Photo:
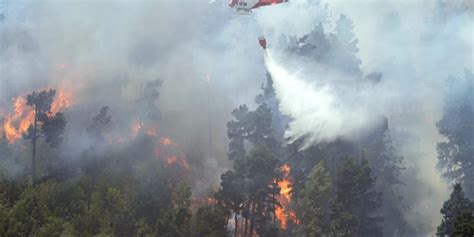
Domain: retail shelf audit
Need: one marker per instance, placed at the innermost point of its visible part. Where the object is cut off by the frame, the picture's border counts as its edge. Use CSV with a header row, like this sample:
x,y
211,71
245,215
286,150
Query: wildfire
x,y
168,151
165,149
68,80
17,123
211,201
63,99
284,213
285,184
136,128
166,141
177,160
152,132
200,201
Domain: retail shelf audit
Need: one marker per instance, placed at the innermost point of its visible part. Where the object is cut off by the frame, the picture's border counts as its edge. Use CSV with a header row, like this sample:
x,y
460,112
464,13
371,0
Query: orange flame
x,y
284,213
17,123
167,151
199,201
175,160
68,79
152,132
64,99
136,128
166,141
211,201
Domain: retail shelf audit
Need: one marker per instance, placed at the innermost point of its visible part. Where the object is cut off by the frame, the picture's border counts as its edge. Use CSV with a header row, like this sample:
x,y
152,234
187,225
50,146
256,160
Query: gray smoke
x,y
416,45
107,52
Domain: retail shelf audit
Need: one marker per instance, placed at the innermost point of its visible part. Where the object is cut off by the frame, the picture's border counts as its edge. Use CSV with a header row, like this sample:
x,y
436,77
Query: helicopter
x,y
246,6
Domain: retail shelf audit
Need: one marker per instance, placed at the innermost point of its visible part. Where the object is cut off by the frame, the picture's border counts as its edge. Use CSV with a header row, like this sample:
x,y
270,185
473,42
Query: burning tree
x,y
231,195
45,124
249,192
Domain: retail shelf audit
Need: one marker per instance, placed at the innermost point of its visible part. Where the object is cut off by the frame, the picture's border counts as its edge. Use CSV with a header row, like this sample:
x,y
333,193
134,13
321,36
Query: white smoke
x,y
416,45
132,42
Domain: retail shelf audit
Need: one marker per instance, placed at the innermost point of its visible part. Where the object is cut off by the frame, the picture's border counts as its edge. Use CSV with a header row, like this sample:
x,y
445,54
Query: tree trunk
x,y
227,217
33,165
245,227
252,218
273,216
33,142
236,224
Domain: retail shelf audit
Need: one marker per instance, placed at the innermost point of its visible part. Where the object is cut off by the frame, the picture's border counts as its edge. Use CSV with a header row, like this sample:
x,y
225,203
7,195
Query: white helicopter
x,y
246,6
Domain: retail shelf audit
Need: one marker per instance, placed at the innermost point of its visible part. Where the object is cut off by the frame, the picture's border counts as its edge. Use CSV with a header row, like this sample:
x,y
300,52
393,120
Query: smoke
x,y
108,51
416,45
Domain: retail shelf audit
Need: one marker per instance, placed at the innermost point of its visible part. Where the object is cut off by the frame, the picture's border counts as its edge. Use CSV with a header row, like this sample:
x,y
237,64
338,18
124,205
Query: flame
x,y
152,132
199,201
284,213
166,141
175,160
211,201
165,149
280,215
17,123
285,189
67,79
136,128
64,99
168,151
285,184
170,160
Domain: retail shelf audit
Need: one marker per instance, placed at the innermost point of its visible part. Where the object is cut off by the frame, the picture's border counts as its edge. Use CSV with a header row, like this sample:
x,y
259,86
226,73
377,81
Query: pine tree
x,y
268,98
455,209
149,99
211,221
314,45
47,125
314,203
176,218
464,224
249,191
344,47
252,126
232,195
99,125
457,125
97,133
357,203
386,166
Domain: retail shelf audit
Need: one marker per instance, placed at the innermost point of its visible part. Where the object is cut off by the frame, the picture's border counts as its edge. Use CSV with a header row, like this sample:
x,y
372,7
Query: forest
x,y
111,128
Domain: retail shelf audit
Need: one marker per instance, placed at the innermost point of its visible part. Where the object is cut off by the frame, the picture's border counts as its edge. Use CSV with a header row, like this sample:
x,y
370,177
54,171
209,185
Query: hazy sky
x,y
111,49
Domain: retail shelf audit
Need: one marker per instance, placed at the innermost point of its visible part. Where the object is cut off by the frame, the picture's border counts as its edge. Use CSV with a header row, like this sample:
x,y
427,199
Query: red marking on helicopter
x,y
247,5
263,42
